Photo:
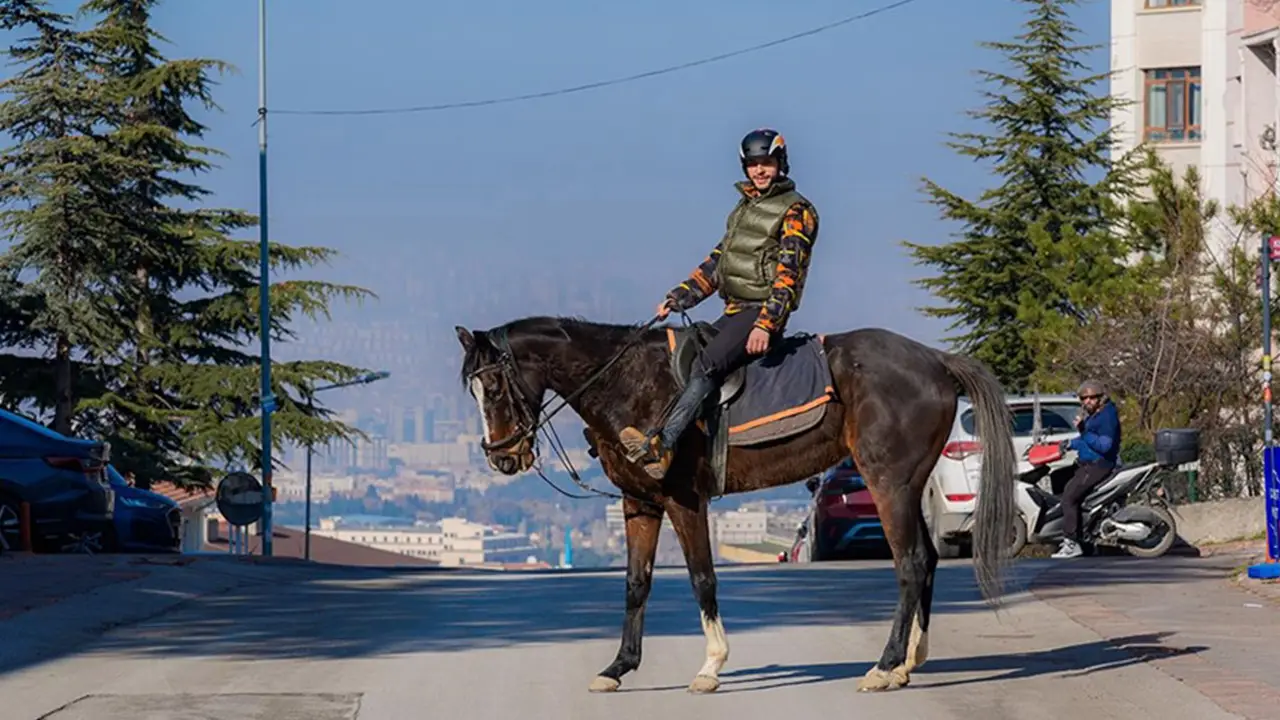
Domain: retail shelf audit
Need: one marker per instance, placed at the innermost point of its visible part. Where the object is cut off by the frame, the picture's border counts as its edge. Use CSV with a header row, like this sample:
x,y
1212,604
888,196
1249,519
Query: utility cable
x,y
603,83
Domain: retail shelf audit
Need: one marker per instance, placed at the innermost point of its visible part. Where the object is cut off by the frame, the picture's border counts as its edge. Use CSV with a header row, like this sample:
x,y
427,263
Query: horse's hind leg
x,y
643,525
914,562
688,512
918,643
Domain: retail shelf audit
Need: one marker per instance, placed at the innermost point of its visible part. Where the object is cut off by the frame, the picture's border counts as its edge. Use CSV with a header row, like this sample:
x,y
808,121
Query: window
x,y
1161,4
1055,419
1172,105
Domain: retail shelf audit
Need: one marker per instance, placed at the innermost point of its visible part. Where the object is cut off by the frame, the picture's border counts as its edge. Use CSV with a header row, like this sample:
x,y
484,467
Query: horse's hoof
x,y
877,680
704,684
604,684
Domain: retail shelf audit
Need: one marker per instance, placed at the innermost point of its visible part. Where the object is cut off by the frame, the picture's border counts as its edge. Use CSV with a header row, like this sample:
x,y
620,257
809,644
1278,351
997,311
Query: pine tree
x,y
1043,144
55,183
187,400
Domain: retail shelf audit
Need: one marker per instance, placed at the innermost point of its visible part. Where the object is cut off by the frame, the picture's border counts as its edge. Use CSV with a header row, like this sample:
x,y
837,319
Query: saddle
x,y
685,344
773,397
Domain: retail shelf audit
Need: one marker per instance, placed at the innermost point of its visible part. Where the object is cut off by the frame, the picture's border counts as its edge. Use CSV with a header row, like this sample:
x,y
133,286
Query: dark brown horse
x,y
894,407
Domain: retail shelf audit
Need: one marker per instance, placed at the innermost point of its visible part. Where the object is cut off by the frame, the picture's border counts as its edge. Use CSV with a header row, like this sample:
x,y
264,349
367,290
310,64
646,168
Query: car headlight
x,y
142,503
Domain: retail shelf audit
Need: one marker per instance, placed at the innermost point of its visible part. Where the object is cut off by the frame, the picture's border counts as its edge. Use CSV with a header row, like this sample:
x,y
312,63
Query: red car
x,y
843,520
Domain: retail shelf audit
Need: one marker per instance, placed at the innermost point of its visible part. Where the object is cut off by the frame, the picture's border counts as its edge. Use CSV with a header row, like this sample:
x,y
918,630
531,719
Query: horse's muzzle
x,y
513,462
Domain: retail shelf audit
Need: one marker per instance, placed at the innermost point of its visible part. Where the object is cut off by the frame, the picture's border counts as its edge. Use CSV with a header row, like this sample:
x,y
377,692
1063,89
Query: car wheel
x,y
814,545
10,525
89,541
933,511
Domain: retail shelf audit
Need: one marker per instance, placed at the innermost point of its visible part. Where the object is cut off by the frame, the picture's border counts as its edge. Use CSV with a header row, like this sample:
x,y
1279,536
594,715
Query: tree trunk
x,y
64,401
143,320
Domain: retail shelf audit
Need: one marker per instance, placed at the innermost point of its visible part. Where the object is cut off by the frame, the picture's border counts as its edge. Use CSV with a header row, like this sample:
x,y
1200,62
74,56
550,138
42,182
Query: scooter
x,y
1126,510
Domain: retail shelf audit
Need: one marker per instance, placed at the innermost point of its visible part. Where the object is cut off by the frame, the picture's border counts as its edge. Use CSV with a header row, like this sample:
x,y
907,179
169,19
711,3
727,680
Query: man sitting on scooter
x,y
1098,452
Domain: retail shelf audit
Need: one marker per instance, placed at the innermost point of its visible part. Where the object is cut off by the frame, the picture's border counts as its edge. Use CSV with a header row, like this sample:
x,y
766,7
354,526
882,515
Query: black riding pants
x,y
727,351
1086,478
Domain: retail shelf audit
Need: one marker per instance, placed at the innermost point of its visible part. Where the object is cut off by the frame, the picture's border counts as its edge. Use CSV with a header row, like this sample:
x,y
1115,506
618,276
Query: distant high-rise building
x,y
429,426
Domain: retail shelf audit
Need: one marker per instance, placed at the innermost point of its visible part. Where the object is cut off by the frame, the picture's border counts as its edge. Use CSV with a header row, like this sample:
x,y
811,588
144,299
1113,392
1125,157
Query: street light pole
x,y
264,286
361,380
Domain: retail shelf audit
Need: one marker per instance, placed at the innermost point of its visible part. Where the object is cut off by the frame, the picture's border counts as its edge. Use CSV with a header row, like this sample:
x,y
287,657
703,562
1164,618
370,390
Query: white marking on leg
x,y
917,646
717,648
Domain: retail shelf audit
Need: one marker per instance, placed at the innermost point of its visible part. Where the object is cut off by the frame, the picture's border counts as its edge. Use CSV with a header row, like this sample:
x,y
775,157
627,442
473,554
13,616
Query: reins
x,y
515,386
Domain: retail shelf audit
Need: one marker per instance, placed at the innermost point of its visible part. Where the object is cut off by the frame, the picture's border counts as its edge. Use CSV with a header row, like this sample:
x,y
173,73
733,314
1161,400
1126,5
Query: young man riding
x,y
759,268
1098,449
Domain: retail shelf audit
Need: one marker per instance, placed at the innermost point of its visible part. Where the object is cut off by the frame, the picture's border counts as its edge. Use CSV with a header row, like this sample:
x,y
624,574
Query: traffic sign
x,y
239,499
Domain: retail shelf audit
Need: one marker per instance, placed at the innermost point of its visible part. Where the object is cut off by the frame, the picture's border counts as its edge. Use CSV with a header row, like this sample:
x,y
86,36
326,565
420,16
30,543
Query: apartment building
x,y
1201,75
452,542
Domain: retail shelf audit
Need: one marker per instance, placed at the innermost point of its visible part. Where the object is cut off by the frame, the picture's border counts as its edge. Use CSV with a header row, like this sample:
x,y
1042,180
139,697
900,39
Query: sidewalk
x,y
52,604
33,581
1220,638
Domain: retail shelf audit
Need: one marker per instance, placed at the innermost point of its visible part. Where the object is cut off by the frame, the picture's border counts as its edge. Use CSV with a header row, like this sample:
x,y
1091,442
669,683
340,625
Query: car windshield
x,y
1055,419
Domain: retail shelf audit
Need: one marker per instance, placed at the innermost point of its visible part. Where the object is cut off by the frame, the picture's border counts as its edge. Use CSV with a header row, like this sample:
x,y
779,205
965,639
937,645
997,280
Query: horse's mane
x,y
571,327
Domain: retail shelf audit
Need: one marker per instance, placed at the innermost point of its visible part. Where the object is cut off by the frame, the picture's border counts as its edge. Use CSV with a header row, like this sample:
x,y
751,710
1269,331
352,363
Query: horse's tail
x,y
997,507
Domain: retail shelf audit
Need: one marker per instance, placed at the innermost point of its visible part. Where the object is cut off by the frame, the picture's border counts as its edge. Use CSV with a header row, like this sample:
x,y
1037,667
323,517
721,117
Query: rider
x,y
759,268
1098,450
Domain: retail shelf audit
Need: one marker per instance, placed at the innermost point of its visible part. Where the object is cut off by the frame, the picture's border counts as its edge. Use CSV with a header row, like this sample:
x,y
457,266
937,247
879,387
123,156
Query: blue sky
x,y
633,181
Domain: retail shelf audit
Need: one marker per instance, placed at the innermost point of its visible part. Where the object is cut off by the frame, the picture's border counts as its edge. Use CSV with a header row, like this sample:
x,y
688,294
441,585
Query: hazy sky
x,y
634,179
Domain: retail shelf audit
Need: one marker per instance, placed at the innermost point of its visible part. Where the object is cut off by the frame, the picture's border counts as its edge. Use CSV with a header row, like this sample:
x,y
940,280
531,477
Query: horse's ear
x,y
466,338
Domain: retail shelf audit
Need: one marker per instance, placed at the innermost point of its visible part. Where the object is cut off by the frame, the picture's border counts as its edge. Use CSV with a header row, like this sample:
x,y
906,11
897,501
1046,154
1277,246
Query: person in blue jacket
x,y
1098,451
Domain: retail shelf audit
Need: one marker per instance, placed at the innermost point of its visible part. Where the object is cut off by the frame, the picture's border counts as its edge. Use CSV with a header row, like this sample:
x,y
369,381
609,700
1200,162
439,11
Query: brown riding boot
x,y
656,451
646,450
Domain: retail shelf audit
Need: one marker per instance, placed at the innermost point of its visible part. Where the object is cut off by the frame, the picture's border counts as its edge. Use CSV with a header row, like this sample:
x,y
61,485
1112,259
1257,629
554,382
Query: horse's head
x,y
508,395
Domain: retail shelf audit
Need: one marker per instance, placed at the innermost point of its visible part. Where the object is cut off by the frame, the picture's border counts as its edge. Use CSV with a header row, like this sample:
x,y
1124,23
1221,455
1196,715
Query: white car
x,y
950,497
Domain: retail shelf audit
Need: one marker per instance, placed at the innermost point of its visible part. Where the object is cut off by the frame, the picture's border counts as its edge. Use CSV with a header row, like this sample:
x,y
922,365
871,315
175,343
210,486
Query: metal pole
x,y
311,411
306,532
1265,258
264,281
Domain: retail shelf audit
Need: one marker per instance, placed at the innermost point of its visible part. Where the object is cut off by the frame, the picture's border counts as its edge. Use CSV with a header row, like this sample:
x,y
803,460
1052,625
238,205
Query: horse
x,y
893,407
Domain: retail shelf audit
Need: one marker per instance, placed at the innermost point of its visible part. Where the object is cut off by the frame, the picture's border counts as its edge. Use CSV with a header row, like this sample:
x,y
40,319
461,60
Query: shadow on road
x,y
1079,576
388,613
1071,660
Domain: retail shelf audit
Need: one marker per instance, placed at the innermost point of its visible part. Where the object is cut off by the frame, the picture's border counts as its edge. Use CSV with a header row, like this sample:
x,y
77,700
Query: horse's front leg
x,y
643,524
688,512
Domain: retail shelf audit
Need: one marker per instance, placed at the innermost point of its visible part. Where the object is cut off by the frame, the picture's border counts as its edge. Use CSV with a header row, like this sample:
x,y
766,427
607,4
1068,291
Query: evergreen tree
x,y
1043,145
190,390
56,181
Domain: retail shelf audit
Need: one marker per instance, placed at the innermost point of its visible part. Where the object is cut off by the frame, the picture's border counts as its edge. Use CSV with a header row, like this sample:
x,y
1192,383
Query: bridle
x,y
518,394
530,421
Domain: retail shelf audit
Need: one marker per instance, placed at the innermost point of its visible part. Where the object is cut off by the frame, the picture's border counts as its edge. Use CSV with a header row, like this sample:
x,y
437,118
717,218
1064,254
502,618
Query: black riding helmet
x,y
764,143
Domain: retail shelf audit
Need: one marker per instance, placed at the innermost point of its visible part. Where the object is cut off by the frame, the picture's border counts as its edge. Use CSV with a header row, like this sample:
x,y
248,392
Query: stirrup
x,y
645,453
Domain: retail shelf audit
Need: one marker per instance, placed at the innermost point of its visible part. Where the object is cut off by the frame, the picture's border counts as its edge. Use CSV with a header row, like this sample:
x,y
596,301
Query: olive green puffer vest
x,y
749,251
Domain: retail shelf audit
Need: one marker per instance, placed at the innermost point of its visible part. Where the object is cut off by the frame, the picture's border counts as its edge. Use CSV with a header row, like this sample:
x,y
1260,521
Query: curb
x,y
1250,699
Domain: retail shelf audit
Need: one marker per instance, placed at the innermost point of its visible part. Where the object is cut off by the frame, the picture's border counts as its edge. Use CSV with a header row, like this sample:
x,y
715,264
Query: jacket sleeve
x,y
799,231
1102,436
700,284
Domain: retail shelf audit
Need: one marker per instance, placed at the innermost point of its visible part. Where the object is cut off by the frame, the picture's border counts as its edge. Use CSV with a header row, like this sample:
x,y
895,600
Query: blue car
x,y
145,521
61,481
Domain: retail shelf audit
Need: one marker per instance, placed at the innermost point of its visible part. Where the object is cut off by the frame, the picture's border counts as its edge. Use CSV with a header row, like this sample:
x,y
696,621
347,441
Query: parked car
x,y
62,481
842,521
145,521
950,497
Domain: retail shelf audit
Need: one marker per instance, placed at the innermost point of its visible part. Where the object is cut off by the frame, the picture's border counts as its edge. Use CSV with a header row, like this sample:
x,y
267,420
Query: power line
x,y
603,83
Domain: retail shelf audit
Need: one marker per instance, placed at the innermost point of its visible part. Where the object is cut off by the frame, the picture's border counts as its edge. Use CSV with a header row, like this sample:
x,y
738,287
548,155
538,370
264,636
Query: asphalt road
x,y
440,645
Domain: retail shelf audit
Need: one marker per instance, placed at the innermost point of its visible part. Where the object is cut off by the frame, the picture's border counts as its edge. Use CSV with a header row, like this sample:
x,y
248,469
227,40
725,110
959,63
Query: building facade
x,y
453,542
1201,84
